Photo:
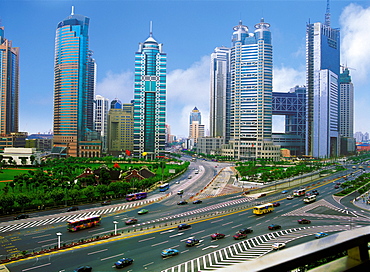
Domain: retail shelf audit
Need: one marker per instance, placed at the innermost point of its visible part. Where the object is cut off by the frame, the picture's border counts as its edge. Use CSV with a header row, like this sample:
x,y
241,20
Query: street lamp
x,y
115,227
59,234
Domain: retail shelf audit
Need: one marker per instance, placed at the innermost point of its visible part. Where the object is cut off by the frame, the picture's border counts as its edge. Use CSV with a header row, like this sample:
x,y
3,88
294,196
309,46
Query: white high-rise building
x,y
100,118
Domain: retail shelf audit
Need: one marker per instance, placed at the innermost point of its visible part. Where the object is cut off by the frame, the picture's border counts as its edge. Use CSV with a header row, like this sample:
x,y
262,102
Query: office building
x,y
100,119
196,129
195,115
220,93
322,63
74,84
251,94
150,99
9,86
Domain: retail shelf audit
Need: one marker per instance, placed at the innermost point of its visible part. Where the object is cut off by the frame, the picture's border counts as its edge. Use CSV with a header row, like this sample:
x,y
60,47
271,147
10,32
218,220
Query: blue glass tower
x,y
150,99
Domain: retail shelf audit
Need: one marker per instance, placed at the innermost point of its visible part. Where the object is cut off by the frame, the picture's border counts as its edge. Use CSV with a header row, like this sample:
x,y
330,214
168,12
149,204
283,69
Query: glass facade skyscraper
x,y
150,99
323,64
74,85
9,86
195,115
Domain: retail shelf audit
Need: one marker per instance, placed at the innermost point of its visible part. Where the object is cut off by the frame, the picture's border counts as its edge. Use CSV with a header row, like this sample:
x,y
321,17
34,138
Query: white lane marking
x,y
111,257
150,238
160,243
227,223
90,253
41,236
209,247
167,231
181,233
36,267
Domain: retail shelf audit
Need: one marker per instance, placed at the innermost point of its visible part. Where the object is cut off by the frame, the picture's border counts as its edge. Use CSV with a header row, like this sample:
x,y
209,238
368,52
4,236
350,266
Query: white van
x,y
310,199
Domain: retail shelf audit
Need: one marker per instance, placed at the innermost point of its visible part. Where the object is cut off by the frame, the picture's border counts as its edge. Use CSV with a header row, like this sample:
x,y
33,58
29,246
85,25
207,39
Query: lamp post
x,y
59,234
115,227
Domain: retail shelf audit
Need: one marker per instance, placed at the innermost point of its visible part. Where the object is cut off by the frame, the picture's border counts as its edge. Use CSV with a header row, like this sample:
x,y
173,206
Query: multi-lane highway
x,y
158,230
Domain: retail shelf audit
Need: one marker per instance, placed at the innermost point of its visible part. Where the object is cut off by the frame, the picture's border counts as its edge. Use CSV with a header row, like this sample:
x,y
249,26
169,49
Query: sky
x,y
189,32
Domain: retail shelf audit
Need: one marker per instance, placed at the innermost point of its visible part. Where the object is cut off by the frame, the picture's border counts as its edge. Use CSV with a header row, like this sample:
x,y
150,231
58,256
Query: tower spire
x,y
151,29
327,14
73,10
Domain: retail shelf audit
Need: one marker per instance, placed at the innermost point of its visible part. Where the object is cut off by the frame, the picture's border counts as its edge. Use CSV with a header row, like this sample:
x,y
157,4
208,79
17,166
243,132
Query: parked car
x,y
245,231
169,252
274,227
276,204
191,242
72,209
289,197
216,236
183,226
320,235
131,221
183,202
142,211
84,268
106,202
278,246
198,201
123,262
21,216
304,221
239,236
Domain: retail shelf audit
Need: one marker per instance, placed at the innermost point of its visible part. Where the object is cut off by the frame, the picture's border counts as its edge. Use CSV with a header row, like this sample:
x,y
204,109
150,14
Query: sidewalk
x,y
363,201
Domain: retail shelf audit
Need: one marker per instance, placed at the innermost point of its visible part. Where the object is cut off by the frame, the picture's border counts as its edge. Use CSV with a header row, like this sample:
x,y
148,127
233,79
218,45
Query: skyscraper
x,y
220,93
251,93
74,83
150,99
100,118
322,63
196,129
195,115
9,86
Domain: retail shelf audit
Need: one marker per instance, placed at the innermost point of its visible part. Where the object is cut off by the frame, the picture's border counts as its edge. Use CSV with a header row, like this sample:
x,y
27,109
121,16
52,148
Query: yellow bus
x,y
263,208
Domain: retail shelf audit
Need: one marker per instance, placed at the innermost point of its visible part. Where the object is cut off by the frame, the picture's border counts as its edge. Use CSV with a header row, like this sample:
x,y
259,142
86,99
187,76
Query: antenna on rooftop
x,y
73,10
327,14
151,29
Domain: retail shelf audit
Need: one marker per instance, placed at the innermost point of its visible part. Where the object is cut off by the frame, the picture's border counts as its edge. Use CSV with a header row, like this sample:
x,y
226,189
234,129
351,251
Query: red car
x,y
217,236
239,236
276,204
304,221
131,221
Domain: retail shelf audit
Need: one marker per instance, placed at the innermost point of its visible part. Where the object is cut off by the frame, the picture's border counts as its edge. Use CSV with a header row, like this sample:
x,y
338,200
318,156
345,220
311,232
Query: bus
x,y
309,199
83,223
263,208
164,187
136,196
300,192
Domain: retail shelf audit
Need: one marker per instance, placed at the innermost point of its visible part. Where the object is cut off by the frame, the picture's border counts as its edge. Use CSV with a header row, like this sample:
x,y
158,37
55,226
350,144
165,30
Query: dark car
x,y
315,192
191,242
245,231
336,186
183,226
198,201
72,209
21,216
183,202
106,202
84,268
276,204
304,221
274,227
123,262
131,221
216,236
239,236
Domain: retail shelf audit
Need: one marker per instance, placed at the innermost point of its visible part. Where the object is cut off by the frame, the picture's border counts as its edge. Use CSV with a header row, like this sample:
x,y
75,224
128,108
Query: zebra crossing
x,y
250,249
51,219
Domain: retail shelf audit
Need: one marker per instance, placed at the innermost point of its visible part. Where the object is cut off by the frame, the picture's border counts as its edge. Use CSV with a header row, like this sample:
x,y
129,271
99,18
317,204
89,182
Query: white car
x,y
289,197
278,246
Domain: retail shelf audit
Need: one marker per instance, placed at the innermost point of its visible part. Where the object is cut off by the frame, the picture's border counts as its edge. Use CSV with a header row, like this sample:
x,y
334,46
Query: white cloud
x,y
119,86
355,49
285,78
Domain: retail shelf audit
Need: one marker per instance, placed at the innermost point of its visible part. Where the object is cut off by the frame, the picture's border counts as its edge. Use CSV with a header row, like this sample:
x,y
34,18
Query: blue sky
x,y
189,31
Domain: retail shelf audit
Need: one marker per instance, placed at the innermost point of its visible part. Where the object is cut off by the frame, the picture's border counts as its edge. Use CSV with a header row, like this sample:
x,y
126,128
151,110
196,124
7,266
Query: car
x,y
289,197
304,221
21,216
276,204
177,182
189,177
84,268
315,192
239,236
106,202
245,231
169,252
191,242
284,192
336,186
274,227
320,235
261,195
338,183
216,236
198,201
123,262
142,211
180,192
183,202
131,221
72,209
183,226
278,246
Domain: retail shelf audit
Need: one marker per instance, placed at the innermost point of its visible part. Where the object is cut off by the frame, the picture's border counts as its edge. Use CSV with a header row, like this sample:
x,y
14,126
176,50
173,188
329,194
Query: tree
x,y
32,159
89,192
74,194
116,187
6,202
102,190
104,176
57,195
22,200
23,160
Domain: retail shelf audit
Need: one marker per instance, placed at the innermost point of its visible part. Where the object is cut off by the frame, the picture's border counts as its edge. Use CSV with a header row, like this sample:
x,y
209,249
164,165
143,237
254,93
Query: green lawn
x,y
8,174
